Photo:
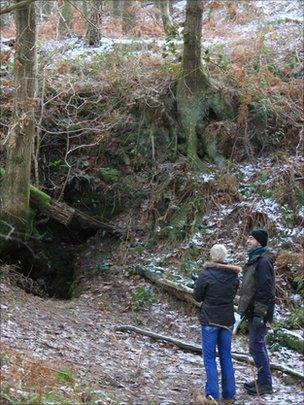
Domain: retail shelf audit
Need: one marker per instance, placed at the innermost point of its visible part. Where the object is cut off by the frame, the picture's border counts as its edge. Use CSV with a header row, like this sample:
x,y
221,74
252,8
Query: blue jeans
x,y
257,349
212,337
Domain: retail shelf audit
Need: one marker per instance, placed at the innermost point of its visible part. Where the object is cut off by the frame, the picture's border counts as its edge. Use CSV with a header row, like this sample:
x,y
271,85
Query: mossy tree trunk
x,y
166,16
128,17
93,34
65,18
19,144
62,212
193,84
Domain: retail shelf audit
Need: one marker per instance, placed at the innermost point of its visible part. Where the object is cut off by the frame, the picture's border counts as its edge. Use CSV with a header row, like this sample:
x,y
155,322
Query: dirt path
x,y
128,368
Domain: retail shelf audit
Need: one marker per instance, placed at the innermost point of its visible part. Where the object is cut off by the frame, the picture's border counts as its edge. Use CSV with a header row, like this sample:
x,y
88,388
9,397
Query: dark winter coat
x,y
216,288
257,294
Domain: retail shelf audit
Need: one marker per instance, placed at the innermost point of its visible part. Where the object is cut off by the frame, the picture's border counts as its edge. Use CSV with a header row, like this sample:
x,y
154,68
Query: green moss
x,y
108,174
41,200
286,339
219,106
65,376
294,321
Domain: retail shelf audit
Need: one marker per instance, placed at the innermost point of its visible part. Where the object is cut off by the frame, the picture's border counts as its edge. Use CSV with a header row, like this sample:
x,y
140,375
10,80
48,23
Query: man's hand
x,y
257,322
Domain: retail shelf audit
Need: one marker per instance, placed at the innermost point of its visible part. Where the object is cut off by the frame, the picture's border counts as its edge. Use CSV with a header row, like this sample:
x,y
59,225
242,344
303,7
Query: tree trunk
x,y
65,18
193,82
93,35
128,17
19,144
166,17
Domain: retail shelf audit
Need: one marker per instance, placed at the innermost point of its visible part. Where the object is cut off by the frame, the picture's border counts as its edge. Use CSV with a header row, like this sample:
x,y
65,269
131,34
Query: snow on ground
x,y
132,368
274,9
282,17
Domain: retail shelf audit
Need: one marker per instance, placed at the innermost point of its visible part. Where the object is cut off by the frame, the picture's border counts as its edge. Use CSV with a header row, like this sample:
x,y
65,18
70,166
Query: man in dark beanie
x,y
257,299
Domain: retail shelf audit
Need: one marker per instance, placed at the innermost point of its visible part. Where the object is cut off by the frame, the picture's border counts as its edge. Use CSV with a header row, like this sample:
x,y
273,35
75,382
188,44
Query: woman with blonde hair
x,y
216,288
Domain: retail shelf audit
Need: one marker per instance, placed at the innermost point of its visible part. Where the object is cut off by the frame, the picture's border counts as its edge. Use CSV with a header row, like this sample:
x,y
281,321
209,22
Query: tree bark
x,y
242,357
93,35
128,17
19,144
193,82
166,17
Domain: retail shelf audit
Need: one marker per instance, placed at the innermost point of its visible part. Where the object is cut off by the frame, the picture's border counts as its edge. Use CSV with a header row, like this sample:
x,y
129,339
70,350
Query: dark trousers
x,y
258,351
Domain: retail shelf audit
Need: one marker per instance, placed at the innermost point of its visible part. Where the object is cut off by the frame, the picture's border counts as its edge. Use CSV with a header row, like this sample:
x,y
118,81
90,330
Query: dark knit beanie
x,y
261,236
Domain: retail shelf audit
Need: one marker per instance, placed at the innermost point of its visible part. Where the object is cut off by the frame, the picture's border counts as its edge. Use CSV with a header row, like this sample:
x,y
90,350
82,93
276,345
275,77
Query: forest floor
x,y
67,352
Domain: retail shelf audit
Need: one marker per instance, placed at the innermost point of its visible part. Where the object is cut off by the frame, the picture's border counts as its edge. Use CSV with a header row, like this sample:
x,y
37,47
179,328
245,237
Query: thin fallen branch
x,y
157,336
242,357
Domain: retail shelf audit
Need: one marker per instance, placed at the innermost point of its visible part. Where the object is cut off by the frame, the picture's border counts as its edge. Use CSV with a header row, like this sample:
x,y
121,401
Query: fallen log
x,y
179,290
283,336
63,213
242,357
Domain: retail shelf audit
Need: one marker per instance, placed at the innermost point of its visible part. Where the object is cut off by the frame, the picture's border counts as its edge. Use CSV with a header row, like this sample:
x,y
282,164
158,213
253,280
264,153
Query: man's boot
x,y
249,384
260,390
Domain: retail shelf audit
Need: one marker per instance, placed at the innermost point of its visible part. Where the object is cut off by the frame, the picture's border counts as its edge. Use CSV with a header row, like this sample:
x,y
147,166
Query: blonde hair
x,y
218,253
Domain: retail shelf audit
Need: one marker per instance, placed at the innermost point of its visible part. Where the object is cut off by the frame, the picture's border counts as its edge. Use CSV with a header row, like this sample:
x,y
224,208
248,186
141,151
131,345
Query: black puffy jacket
x,y
216,287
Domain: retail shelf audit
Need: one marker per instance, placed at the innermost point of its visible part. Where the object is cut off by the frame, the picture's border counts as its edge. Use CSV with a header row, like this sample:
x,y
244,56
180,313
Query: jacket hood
x,y
222,266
